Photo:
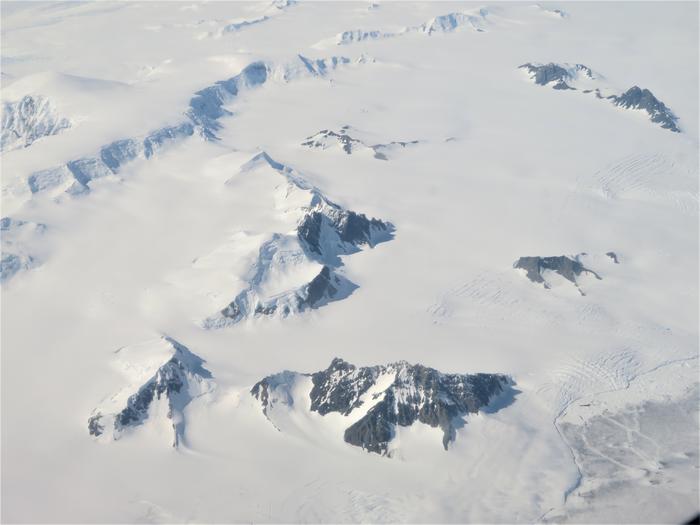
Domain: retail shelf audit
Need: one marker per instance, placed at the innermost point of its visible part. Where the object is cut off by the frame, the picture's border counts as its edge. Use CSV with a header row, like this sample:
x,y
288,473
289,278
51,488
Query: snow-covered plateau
x,y
343,262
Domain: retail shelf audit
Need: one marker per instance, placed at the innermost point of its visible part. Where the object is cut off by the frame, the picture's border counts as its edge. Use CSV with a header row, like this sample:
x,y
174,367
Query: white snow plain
x,y
504,168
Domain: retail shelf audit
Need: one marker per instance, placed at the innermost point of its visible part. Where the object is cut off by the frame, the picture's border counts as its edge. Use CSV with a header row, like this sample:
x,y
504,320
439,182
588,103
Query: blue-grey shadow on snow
x,y
503,400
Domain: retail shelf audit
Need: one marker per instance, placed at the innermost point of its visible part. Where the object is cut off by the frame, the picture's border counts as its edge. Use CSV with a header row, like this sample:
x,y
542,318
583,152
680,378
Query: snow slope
x,y
191,189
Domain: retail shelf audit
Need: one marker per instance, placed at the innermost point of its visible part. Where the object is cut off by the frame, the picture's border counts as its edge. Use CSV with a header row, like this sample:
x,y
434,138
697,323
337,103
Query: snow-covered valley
x,y
349,262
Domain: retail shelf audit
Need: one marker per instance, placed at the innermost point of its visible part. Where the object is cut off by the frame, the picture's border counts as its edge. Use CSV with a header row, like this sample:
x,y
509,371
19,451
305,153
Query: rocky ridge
x,y
324,231
580,77
397,394
176,382
326,139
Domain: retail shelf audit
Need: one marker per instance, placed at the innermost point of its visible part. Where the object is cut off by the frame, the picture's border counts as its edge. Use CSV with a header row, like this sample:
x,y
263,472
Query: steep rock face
x,y
324,231
274,390
325,139
28,120
613,256
559,75
400,394
638,98
177,382
568,267
578,76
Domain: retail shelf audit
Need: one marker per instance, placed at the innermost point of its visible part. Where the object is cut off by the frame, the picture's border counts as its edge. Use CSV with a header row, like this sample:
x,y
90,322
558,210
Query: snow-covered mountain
x,y
178,380
324,231
579,76
27,120
347,139
398,394
489,211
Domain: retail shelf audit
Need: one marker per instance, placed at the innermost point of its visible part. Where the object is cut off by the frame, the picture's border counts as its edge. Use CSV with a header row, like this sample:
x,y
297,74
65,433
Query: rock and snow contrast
x,y
579,76
174,376
346,138
377,399
567,267
504,257
297,271
28,120
643,99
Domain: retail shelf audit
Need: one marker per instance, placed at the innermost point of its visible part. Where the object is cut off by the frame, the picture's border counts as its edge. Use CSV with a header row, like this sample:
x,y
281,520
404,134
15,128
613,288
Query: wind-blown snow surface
x,y
154,244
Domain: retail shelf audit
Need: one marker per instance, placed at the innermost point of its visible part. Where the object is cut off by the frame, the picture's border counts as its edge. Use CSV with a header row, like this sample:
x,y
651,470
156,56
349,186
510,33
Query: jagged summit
x,y
306,261
384,397
180,378
580,77
638,98
560,76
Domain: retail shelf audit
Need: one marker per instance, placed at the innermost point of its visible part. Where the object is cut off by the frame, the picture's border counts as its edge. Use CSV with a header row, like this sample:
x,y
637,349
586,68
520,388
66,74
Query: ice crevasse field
x,y
349,262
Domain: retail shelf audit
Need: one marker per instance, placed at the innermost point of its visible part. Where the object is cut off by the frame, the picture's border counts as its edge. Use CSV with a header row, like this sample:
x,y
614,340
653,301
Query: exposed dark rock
x,y
412,393
349,384
324,138
346,141
423,394
613,256
178,381
637,98
279,383
320,288
326,287
324,232
565,266
94,426
543,74
345,230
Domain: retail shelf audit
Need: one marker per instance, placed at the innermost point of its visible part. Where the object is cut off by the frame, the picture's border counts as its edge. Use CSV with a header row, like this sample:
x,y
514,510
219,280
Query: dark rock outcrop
x,y
567,267
613,256
407,394
561,76
543,74
324,232
637,98
325,138
178,381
